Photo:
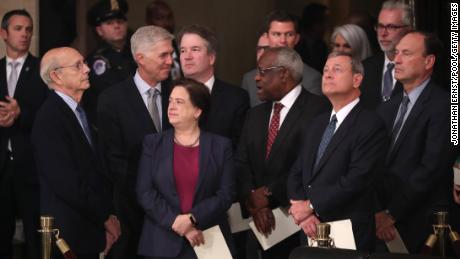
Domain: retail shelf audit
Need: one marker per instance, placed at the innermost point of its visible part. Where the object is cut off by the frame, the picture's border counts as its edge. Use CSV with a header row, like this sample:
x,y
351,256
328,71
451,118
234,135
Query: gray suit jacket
x,y
311,81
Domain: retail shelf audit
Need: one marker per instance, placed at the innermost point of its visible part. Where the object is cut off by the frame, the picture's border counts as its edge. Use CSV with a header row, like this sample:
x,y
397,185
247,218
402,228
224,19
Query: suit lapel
x,y
205,156
291,119
24,75
3,80
74,124
262,132
134,98
166,160
338,136
417,109
215,97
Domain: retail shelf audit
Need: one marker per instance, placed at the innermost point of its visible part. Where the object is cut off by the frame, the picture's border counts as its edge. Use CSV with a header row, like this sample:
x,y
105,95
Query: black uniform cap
x,y
105,10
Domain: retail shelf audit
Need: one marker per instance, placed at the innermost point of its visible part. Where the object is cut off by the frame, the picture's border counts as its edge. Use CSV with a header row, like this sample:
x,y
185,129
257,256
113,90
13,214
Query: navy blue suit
x,y
73,187
418,169
157,193
339,186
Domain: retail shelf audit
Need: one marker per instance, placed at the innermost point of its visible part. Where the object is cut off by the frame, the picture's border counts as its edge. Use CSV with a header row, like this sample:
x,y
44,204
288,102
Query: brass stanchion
x,y
322,238
441,232
47,231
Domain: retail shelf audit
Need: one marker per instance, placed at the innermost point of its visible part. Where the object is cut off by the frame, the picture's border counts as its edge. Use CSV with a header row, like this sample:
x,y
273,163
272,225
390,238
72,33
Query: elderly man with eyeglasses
x,y
73,185
379,83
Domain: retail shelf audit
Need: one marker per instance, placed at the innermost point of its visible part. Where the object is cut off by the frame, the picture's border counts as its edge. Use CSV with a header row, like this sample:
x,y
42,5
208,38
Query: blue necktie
x,y
388,82
399,119
327,136
84,121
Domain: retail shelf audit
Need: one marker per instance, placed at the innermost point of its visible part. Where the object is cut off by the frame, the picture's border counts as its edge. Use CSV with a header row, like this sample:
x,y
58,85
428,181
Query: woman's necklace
x,y
190,145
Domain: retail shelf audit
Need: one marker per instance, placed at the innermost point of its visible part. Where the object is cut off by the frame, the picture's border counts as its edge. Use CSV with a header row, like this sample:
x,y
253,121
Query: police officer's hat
x,y
105,10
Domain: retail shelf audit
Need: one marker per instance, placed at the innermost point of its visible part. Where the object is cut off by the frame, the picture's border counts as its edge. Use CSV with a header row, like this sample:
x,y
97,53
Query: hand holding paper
x,y
385,228
309,225
195,237
264,221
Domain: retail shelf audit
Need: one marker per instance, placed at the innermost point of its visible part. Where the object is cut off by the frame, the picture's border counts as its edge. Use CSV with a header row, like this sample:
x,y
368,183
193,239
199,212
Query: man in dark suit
x,y
229,103
418,167
73,185
379,83
271,139
342,150
282,30
127,112
21,94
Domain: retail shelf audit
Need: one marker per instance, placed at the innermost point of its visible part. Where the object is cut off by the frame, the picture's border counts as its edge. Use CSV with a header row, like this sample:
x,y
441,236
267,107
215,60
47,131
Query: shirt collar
x,y
68,100
210,83
142,86
417,91
343,113
20,60
289,99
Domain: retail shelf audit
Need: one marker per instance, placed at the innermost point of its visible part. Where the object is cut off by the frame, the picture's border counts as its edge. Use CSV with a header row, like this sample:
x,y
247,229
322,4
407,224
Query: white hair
x,y
147,36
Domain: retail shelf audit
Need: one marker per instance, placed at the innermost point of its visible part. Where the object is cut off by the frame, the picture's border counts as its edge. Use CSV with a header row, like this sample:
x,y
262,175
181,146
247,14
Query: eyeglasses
x,y
80,65
264,71
389,27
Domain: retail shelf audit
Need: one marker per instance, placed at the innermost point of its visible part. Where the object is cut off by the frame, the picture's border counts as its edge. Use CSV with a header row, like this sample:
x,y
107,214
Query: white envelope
x,y
342,233
214,245
284,228
397,245
457,176
235,220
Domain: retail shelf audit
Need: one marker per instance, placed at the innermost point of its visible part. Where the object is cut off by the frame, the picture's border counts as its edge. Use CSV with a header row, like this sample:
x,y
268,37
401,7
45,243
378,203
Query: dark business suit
x,y
339,186
123,123
73,186
157,194
253,171
418,169
311,81
229,105
18,177
371,87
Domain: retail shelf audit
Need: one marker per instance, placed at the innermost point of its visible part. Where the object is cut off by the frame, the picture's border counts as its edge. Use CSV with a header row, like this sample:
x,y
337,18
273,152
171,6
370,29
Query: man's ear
x,y
357,79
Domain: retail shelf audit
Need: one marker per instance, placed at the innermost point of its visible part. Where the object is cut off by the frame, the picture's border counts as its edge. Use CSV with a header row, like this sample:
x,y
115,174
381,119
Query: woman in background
x,y
352,39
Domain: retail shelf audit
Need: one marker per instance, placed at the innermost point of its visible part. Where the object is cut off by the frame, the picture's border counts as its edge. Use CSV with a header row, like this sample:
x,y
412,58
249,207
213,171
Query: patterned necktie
x,y
399,119
13,78
153,94
388,82
327,136
84,122
274,127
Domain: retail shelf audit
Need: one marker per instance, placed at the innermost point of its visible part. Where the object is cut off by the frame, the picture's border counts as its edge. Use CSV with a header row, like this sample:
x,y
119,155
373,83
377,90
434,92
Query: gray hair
x,y
289,59
356,65
46,67
356,38
146,37
407,12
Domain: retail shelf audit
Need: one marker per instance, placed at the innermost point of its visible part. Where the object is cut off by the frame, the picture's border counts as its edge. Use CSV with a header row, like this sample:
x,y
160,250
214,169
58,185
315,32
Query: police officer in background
x,y
112,61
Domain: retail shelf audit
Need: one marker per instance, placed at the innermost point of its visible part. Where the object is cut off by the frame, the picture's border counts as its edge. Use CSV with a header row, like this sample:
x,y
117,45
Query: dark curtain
x,y
434,16
57,23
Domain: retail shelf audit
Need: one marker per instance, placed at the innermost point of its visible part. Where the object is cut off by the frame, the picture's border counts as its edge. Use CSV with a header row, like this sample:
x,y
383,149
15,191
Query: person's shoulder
x,y
118,90
309,71
217,139
374,59
250,74
230,88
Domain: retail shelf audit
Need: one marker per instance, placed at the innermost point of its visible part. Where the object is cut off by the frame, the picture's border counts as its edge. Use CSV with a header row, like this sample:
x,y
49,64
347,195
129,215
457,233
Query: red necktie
x,y
274,127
